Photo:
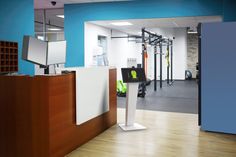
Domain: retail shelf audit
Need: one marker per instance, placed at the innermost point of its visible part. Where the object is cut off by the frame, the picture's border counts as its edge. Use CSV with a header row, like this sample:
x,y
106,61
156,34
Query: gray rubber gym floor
x,y
182,97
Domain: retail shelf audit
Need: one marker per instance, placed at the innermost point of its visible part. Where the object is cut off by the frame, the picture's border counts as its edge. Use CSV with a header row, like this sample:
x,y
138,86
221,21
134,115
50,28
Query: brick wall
x,y
192,53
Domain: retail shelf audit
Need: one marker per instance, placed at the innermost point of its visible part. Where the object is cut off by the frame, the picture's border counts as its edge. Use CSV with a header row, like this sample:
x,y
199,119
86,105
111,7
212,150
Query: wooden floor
x,y
168,135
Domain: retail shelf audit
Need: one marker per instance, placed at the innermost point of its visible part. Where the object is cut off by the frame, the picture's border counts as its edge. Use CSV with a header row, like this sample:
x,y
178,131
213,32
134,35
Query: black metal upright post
x,y
171,61
168,63
143,48
143,60
44,24
152,39
160,64
155,67
199,74
46,69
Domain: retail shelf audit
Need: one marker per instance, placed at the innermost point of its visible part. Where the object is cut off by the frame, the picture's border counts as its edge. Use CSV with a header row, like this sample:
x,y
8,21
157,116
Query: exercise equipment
x,y
145,58
169,55
121,88
188,75
197,74
158,40
155,40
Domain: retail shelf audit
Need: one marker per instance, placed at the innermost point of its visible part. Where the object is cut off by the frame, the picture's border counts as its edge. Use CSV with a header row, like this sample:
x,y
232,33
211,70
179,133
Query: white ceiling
x,y
138,24
43,4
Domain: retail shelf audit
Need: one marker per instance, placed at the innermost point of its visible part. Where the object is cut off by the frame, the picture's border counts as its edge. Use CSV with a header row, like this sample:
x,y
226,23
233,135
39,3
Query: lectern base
x,y
133,127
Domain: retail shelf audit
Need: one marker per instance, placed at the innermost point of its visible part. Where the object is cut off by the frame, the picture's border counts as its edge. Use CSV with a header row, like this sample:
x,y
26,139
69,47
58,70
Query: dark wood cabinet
x,y
8,57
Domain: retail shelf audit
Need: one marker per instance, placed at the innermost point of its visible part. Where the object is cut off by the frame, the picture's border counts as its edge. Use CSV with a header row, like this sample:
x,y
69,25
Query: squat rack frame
x,y
157,40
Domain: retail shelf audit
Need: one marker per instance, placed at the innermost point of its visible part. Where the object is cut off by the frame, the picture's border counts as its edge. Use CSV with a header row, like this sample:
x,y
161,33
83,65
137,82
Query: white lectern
x,y
131,101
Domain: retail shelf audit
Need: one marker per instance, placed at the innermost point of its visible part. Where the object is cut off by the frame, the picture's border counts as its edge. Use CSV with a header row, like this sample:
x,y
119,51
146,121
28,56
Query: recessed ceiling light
x,y
61,16
40,37
121,24
191,32
54,29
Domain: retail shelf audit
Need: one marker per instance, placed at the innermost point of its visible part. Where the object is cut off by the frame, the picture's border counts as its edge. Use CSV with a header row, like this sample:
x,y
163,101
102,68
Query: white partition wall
x,y
92,92
91,33
217,73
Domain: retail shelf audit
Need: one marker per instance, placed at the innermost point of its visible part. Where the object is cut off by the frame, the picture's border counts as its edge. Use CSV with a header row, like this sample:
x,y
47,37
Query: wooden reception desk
x,y
37,116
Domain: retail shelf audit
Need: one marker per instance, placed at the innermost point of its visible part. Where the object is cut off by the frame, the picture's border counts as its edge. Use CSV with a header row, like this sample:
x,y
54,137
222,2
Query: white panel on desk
x,y
92,92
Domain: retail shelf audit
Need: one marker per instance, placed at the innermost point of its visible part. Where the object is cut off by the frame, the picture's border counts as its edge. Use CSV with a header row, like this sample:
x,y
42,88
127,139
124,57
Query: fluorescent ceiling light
x,y
54,29
121,23
192,32
61,16
40,37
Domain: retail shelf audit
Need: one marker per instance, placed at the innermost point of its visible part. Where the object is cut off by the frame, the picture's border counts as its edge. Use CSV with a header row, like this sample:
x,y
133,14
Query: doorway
x,y
124,42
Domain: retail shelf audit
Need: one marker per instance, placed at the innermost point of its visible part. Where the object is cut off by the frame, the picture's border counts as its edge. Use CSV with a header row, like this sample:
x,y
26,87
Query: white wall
x,y
91,32
119,50
165,32
180,53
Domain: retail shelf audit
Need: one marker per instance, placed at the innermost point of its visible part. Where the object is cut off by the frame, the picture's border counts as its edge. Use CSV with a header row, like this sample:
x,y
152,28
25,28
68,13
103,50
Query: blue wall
x,y
16,20
229,12
218,74
77,14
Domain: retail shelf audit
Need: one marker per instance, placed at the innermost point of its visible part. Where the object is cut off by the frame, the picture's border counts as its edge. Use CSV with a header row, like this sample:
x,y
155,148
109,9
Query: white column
x,y
131,100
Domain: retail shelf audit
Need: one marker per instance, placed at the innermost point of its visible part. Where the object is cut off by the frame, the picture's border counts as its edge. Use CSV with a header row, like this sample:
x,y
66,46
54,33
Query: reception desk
x,y
38,116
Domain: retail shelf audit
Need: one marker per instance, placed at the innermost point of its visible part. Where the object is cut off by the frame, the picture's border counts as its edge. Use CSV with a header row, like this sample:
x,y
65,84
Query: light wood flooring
x,y
167,135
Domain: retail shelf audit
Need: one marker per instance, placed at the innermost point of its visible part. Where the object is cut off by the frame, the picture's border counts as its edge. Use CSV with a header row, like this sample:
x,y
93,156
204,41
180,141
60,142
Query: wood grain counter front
x,y
37,116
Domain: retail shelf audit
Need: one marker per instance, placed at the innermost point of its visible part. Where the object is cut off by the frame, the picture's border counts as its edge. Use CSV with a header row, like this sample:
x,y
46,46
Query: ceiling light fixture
x,y
61,16
54,29
191,32
121,24
40,37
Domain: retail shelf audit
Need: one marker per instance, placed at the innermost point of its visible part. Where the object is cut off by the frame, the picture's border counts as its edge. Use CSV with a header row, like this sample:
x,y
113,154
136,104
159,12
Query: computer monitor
x,y
132,75
56,52
43,52
34,50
